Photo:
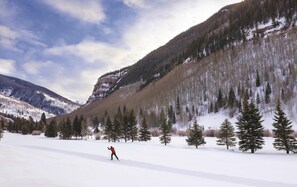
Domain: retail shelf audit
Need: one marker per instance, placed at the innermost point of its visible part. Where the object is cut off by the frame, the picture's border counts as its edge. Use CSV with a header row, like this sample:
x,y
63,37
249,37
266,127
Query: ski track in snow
x,y
167,169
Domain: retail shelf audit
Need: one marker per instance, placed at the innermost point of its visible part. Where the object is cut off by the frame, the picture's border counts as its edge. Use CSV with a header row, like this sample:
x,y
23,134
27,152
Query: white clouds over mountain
x,y
89,11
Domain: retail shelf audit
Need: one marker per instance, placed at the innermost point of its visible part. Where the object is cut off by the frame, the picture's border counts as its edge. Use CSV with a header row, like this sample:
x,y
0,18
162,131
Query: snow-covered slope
x,y
37,161
17,108
36,96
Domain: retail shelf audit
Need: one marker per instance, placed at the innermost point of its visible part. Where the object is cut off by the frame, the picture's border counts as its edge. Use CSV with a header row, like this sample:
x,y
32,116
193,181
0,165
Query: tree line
x,y
250,131
123,126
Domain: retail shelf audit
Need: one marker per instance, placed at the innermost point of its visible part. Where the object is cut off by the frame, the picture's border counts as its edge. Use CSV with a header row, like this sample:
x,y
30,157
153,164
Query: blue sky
x,y
66,45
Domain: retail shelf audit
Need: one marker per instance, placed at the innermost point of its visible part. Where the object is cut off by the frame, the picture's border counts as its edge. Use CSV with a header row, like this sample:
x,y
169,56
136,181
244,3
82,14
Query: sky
x,y
66,45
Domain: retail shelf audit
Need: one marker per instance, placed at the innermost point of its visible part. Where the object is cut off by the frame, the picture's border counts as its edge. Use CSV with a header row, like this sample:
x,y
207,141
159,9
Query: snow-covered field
x,y
33,161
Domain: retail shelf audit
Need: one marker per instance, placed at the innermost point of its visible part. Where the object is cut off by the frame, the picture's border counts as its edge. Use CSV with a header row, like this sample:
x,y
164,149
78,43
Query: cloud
x,y
135,3
7,66
91,51
5,9
163,20
37,67
10,37
88,11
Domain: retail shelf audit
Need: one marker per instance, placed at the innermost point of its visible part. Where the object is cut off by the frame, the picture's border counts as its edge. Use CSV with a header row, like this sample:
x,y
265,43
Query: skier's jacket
x,y
112,149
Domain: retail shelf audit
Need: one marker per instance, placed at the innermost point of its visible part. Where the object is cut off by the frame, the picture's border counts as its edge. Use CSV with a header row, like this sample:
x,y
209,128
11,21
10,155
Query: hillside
x,y
203,82
36,96
12,108
231,25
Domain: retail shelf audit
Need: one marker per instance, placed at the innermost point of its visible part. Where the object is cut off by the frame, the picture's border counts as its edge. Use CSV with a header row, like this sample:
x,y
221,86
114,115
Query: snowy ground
x,y
34,161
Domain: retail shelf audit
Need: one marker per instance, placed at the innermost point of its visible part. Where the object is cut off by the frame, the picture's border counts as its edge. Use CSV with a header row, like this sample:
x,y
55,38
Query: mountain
x,y
106,84
212,66
36,96
11,108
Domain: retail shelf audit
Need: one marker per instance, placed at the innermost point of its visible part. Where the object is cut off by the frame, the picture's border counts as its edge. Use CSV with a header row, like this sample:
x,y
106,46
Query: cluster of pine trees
x,y
66,129
124,126
24,126
250,131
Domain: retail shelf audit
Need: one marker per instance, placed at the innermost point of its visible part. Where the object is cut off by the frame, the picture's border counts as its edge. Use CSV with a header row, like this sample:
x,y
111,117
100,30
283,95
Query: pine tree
x,y
258,82
108,129
65,129
195,136
284,140
116,131
226,134
231,98
95,122
267,93
144,133
165,136
51,129
178,106
220,100
42,123
258,99
76,124
133,130
84,126
250,132
171,115
125,127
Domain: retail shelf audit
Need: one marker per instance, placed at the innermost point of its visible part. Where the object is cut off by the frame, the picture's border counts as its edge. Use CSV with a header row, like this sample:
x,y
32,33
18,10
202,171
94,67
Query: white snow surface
x,y
36,161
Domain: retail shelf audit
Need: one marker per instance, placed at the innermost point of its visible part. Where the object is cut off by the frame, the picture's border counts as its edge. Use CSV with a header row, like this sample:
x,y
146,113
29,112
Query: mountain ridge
x,y
35,95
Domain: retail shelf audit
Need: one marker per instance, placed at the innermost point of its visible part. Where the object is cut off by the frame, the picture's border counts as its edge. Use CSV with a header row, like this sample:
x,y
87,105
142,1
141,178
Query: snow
x,y
38,161
268,26
18,108
61,104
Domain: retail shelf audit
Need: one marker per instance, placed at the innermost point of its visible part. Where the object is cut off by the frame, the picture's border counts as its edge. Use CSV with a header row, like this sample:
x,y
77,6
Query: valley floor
x,y
33,161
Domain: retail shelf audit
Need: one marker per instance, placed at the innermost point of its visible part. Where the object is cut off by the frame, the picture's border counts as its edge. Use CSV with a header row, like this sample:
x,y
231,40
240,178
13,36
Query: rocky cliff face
x,y
106,84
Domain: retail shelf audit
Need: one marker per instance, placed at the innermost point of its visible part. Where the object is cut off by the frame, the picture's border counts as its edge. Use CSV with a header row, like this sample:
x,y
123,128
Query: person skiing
x,y
113,152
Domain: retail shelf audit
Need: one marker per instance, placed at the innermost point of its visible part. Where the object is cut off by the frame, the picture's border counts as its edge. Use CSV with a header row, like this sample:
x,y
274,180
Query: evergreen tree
x,y
220,100
95,122
171,115
231,98
195,136
31,124
258,99
226,134
42,123
76,124
165,136
84,126
267,93
250,132
51,129
144,133
258,82
284,140
133,130
116,131
125,127
178,106
108,129
65,129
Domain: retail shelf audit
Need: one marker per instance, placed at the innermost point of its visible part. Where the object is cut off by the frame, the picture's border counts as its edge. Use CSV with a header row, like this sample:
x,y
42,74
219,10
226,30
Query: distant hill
x,y
37,96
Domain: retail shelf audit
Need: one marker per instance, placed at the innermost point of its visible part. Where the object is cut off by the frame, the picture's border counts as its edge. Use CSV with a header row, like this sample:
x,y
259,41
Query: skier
x,y
113,152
